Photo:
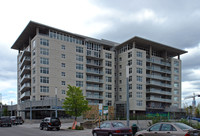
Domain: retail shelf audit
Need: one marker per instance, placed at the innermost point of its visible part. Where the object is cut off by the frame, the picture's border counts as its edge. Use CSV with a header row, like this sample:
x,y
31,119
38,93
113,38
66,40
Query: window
x,y
139,78
44,42
44,51
108,87
139,62
130,86
62,73
44,79
79,66
120,81
33,70
108,55
155,127
139,54
44,89
79,75
130,78
63,91
139,102
130,94
34,89
176,77
176,92
34,44
44,61
139,86
176,63
33,80
120,96
108,71
43,97
62,82
63,47
79,58
120,59
139,70
44,70
79,83
108,95
129,54
120,66
108,79
139,94
166,127
34,52
63,56
129,62
79,49
130,70
120,74
108,63
176,98
176,70
63,65
176,84
120,89
108,103
33,61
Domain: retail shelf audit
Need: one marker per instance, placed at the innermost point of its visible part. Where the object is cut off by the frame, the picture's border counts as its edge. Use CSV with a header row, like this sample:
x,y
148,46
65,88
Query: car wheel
x,y
58,129
95,134
41,128
46,128
110,134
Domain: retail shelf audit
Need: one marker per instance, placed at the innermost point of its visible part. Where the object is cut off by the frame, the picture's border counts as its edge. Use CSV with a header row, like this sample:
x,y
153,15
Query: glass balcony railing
x,y
159,99
159,77
25,94
94,71
158,91
161,62
159,84
159,69
94,80
94,96
94,88
25,85
26,76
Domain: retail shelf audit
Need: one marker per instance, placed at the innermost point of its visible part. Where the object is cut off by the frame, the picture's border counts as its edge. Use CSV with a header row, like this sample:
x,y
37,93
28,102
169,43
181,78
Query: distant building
x,y
49,59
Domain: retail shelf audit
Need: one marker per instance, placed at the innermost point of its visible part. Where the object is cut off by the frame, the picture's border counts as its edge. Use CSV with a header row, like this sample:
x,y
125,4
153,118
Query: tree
x,y
75,103
5,112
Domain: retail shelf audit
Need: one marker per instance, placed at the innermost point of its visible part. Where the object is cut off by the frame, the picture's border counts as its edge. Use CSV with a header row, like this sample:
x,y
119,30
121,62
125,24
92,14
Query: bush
x,y
79,127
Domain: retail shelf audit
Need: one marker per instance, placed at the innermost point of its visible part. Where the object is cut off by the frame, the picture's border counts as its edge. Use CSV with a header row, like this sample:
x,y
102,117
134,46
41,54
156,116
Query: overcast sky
x,y
171,22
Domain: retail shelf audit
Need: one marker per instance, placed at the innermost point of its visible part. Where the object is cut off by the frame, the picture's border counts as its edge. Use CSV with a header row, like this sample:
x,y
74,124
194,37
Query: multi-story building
x,y
49,59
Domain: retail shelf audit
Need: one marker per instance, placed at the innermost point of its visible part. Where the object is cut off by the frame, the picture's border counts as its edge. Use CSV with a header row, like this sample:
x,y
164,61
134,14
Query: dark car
x,y
17,120
5,121
112,129
49,123
169,129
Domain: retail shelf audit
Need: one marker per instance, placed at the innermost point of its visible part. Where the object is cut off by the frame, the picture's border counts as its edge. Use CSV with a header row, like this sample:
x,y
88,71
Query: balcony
x,y
94,72
93,64
25,95
158,77
94,88
161,62
26,69
90,96
158,69
25,86
157,91
152,98
159,84
94,80
26,52
26,61
25,78
93,54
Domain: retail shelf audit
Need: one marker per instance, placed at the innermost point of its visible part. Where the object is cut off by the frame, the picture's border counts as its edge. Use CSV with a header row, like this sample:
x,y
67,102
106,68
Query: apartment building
x,y
49,59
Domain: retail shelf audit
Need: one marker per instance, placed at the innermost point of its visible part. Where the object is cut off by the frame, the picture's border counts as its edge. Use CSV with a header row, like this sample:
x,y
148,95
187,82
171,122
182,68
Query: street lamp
x,y
56,92
11,107
127,95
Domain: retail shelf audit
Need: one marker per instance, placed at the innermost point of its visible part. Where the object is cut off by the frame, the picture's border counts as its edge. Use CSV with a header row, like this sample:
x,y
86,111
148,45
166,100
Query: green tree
x,y
5,112
75,103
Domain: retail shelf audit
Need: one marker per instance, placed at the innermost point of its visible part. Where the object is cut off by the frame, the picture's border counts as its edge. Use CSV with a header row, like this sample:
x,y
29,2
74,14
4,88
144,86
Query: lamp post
x,y
127,95
11,108
56,92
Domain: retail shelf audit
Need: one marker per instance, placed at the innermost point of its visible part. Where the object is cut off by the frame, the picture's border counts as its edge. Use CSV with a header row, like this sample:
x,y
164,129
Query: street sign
x,y
105,110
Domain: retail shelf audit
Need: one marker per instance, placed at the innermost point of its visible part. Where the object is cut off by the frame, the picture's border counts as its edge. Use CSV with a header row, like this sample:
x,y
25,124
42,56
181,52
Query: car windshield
x,y
182,126
118,124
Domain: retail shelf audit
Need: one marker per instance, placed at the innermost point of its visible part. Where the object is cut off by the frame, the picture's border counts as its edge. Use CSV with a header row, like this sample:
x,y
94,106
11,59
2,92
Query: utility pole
x,y
56,92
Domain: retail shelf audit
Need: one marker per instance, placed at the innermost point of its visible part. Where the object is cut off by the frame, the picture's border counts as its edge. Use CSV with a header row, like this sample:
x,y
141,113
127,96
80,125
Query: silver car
x,y
169,129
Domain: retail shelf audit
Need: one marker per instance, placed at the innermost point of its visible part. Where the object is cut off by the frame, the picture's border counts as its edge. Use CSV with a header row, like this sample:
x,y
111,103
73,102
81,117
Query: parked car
x,y
112,129
5,121
49,123
169,129
17,120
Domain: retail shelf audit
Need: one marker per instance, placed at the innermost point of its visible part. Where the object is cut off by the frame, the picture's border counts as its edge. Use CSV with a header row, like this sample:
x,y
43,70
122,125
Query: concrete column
x,y
37,30
133,44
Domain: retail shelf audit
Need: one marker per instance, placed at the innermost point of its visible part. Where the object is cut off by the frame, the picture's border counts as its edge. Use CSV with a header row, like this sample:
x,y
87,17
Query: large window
x,y
63,65
108,87
44,61
79,75
130,70
79,58
108,55
129,54
139,70
129,62
139,94
63,56
108,71
108,79
139,86
79,49
44,51
44,89
108,95
139,78
63,47
139,54
176,84
44,42
44,70
62,73
108,63
62,82
79,66
139,62
44,79
79,83
139,102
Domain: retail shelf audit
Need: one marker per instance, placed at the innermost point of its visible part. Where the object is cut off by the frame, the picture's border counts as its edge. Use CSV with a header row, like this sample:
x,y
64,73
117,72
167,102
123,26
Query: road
x,y
26,130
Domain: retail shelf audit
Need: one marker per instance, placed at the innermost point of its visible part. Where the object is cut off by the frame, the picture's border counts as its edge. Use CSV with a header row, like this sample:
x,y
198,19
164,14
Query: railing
x,y
94,64
95,96
25,76
158,91
93,53
159,84
158,62
159,99
27,93
94,72
95,80
159,77
159,69
94,88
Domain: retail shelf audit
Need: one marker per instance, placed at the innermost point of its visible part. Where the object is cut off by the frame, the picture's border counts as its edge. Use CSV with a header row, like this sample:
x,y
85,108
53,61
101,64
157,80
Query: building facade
x,y
49,59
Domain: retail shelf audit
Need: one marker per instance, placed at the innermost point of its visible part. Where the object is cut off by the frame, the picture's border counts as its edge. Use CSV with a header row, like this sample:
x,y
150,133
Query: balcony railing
x,y
94,72
159,77
159,99
26,67
94,88
158,62
95,80
94,96
25,94
94,64
159,84
26,85
26,76
158,91
159,69
92,53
